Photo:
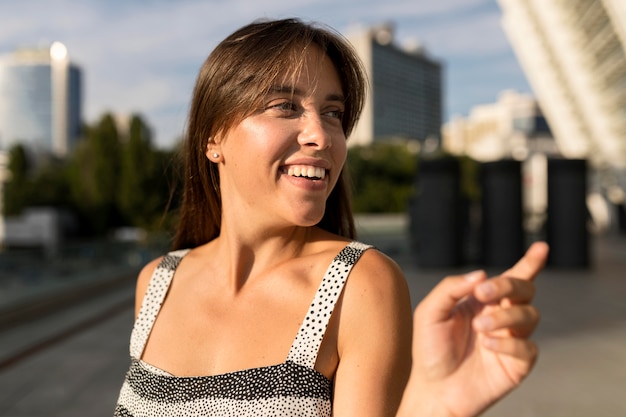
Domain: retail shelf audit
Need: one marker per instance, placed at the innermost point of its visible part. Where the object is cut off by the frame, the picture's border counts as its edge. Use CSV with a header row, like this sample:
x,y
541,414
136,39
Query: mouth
x,y
304,171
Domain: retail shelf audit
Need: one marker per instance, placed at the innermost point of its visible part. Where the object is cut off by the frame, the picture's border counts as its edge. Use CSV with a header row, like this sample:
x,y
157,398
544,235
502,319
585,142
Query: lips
x,y
306,171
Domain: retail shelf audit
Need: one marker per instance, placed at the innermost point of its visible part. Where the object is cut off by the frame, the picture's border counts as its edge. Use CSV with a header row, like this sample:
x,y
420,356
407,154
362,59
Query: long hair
x,y
230,86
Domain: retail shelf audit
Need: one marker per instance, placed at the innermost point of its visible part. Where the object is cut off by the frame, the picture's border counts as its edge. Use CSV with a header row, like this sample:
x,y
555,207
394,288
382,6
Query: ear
x,y
213,151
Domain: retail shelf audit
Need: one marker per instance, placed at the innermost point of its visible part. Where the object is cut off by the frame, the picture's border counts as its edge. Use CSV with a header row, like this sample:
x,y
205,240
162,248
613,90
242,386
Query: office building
x,y
40,100
405,96
573,53
511,128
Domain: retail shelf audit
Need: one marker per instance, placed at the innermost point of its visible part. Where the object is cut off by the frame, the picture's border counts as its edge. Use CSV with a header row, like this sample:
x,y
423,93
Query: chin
x,y
310,219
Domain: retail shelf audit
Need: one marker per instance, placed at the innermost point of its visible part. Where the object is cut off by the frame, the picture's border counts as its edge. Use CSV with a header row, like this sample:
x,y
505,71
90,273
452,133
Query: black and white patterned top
x,y
293,388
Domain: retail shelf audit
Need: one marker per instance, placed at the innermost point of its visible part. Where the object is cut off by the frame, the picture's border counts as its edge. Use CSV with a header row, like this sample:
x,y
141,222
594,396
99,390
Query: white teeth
x,y
306,171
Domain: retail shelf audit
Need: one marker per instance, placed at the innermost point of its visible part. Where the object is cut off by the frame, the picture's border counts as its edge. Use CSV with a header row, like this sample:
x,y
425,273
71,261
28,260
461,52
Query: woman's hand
x,y
471,341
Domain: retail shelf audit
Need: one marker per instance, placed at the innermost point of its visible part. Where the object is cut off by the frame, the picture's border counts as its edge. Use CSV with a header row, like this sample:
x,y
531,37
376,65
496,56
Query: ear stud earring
x,y
216,155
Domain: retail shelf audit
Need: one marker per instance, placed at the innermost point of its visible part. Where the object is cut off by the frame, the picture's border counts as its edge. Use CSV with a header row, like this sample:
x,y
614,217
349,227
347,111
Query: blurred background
x,y
489,125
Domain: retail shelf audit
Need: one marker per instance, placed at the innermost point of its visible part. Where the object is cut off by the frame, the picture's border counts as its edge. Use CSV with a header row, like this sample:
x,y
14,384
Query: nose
x,y
313,132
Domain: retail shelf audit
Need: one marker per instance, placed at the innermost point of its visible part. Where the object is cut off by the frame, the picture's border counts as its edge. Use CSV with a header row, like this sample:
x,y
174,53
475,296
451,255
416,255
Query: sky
x,y
143,56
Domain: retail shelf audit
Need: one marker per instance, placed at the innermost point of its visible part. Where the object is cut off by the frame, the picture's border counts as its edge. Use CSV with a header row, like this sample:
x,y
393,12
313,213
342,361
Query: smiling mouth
x,y
305,171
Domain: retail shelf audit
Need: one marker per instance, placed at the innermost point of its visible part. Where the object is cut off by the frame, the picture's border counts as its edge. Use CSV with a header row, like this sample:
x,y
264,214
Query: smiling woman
x,y
267,305
242,75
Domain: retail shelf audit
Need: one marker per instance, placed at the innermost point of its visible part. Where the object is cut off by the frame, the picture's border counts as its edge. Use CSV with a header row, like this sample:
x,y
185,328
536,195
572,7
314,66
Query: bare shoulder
x,y
377,271
143,281
376,291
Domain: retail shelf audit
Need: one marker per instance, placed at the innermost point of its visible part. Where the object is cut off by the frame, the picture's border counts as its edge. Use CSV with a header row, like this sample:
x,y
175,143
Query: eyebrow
x,y
287,89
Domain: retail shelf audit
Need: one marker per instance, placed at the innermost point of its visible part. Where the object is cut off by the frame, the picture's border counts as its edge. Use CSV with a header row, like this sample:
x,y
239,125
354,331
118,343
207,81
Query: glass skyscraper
x,y
40,100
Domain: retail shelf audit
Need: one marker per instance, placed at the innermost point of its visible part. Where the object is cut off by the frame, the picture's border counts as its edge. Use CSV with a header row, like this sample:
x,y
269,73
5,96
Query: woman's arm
x,y
374,339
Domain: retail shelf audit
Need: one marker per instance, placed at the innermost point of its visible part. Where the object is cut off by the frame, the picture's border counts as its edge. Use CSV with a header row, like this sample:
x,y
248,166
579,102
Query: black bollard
x,y
435,221
566,226
502,213
621,218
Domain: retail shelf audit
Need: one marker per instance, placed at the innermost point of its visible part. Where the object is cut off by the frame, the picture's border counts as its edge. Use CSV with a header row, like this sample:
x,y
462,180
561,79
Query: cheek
x,y
341,152
269,139
250,141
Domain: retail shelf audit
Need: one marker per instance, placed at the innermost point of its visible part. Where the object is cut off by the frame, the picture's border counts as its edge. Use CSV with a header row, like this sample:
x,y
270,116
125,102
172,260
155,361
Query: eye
x,y
284,106
335,114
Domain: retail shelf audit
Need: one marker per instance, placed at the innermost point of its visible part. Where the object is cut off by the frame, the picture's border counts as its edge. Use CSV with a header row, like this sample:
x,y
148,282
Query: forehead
x,y
313,70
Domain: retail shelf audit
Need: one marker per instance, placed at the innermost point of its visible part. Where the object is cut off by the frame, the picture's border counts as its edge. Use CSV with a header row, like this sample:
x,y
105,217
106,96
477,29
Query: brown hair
x,y
230,86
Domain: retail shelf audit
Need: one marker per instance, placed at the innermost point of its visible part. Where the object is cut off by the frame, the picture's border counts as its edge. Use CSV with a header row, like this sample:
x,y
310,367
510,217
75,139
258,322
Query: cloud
x,y
479,35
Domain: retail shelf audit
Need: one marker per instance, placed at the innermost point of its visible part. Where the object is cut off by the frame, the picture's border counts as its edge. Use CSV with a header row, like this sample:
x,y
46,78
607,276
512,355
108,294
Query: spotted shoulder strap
x,y
153,300
309,338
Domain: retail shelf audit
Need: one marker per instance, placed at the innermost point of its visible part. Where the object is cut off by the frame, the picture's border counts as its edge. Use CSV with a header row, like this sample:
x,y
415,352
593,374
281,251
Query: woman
x,y
253,314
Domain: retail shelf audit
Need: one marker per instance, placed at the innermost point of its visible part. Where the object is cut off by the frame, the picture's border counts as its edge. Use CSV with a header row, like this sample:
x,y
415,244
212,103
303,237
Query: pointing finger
x,y
531,263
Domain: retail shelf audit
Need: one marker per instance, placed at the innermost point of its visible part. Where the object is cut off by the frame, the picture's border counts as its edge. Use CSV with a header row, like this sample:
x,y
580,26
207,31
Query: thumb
x,y
438,304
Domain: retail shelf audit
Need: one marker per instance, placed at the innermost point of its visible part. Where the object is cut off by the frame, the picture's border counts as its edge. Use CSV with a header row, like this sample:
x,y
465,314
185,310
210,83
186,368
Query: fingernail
x,y
487,289
473,276
484,323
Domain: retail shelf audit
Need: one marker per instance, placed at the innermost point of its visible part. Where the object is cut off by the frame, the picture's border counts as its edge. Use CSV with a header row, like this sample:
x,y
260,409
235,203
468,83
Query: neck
x,y
242,253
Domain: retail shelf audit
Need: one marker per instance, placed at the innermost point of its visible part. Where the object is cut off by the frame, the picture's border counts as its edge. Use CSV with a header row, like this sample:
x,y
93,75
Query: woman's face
x,y
281,163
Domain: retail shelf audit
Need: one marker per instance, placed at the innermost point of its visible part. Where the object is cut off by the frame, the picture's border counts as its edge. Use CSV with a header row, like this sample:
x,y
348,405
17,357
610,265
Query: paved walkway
x,y
72,362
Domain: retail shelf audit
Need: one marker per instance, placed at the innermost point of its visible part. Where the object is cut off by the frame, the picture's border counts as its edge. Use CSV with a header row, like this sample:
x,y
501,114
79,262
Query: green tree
x,y
16,190
50,185
106,181
135,167
94,176
383,176
141,197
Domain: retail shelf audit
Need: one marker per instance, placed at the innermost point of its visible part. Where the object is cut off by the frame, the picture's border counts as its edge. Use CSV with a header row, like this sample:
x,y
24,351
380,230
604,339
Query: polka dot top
x,y
292,388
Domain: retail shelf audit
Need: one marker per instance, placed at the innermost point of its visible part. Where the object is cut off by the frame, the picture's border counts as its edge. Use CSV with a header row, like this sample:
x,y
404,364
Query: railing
x,y
32,282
